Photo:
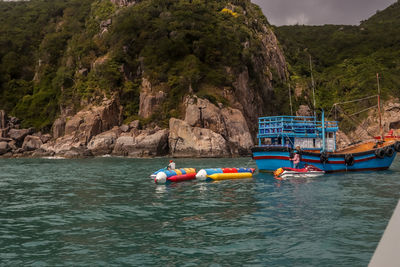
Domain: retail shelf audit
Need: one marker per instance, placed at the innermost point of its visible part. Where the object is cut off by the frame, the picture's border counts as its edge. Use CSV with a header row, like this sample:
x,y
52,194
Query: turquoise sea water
x,y
108,212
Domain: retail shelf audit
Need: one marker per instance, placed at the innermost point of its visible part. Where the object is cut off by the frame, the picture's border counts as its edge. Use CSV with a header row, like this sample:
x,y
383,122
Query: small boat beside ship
x,y
279,136
309,171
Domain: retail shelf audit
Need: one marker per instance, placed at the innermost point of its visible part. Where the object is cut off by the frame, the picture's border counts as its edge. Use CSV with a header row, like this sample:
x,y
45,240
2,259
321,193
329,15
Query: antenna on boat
x,y
379,107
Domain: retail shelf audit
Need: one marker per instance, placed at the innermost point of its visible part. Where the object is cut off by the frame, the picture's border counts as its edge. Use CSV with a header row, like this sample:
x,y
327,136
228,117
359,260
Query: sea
x,y
109,212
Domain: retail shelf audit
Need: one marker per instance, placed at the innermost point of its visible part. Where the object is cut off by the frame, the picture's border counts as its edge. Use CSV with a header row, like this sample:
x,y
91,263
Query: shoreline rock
x,y
98,130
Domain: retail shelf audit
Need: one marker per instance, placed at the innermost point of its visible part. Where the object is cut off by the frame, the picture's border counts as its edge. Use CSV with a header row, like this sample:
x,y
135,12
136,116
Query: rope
x,y
358,122
356,100
363,110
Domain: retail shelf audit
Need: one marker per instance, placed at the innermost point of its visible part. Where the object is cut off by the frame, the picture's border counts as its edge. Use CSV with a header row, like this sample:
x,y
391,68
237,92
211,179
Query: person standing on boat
x,y
296,158
171,165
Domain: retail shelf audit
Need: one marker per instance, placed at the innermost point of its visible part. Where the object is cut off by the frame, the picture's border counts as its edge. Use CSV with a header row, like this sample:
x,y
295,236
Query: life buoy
x,y
324,158
397,146
380,153
349,160
389,151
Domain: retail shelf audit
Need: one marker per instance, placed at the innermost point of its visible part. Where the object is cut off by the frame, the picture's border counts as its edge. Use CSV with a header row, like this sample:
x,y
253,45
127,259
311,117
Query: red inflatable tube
x,y
181,178
230,170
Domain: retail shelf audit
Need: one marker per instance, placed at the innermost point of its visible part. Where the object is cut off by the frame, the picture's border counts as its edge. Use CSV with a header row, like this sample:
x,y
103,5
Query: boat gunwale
x,y
308,153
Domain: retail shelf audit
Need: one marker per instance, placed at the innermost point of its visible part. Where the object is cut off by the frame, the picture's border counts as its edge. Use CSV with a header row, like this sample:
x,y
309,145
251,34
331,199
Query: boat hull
x,y
270,159
288,174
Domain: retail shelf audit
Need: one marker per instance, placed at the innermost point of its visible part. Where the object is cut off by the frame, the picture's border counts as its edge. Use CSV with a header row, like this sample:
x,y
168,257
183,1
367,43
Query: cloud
x,y
319,12
300,19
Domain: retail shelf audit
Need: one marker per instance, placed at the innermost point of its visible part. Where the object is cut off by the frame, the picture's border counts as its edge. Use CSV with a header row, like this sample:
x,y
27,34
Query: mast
x,y
312,81
323,132
379,107
290,100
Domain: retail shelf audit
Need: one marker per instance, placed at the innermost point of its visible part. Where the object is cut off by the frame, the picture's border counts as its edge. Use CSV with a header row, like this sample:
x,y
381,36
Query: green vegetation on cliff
x,y
346,58
67,53
33,38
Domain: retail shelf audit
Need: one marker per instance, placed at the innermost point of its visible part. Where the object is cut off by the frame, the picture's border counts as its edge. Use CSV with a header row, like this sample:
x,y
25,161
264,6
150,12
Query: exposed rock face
x,y
370,126
267,65
45,138
143,145
3,119
149,101
125,2
77,152
90,121
72,125
304,110
124,128
62,144
40,153
103,143
4,147
19,134
32,143
237,130
202,113
74,135
187,141
59,127
228,122
251,103
342,140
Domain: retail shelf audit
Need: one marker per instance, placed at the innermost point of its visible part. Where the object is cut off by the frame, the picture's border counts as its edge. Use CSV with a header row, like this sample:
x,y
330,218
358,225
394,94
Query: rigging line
x,y
290,140
333,106
363,110
356,100
358,122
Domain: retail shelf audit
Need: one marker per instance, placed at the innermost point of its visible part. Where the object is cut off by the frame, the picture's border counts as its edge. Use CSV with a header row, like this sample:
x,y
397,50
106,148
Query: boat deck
x,y
362,147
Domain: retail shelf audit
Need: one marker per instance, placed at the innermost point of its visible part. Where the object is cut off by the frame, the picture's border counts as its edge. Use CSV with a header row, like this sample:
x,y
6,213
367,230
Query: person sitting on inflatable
x,y
171,165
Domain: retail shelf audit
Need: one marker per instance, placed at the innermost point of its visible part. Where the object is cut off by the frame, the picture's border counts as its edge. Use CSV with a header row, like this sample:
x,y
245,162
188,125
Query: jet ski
x,y
307,172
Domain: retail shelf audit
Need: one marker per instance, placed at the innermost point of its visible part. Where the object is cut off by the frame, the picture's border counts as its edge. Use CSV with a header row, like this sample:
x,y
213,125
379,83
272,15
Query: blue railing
x,y
293,126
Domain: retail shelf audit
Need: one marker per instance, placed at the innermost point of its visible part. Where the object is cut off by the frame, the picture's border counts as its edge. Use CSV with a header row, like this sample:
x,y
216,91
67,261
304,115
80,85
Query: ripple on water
x,y
107,211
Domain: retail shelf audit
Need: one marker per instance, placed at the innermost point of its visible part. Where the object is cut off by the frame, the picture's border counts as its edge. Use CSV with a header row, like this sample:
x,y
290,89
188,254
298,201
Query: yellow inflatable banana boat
x,y
229,176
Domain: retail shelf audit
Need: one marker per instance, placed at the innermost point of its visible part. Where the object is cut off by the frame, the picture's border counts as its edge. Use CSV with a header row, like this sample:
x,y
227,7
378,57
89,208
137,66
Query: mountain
x,y
59,55
79,68
345,59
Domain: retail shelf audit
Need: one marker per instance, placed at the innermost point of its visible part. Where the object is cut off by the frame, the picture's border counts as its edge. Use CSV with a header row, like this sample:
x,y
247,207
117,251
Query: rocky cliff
x,y
150,78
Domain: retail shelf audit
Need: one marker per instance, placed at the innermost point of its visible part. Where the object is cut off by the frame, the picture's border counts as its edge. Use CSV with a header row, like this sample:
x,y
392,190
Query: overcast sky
x,y
319,12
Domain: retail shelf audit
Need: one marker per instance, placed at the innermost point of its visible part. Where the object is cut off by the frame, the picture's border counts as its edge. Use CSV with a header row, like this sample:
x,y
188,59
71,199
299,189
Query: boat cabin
x,y
291,131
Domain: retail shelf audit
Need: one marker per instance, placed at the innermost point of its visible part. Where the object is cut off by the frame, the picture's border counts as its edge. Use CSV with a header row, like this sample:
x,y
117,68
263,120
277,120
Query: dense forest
x,y
67,53
345,59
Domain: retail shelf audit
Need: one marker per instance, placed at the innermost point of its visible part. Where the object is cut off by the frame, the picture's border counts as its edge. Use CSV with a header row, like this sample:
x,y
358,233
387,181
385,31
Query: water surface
x,y
107,211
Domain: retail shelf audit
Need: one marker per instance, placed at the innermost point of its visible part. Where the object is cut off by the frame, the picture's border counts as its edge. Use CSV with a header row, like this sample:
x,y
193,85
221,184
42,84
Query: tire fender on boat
x,y
324,158
389,151
349,160
380,153
397,146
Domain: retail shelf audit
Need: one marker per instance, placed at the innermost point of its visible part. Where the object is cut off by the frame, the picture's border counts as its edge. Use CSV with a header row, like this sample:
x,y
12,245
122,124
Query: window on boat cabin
x,y
313,142
329,135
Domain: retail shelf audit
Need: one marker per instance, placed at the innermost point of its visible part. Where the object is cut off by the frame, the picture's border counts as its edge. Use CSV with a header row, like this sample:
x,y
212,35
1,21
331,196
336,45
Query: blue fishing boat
x,y
279,137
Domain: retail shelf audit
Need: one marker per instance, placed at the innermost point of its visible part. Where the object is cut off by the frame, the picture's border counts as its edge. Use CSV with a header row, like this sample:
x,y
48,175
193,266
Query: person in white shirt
x,y
171,165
